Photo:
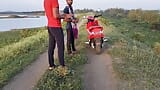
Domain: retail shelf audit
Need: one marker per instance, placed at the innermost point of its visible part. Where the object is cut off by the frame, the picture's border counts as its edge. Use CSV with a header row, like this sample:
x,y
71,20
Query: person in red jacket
x,y
93,24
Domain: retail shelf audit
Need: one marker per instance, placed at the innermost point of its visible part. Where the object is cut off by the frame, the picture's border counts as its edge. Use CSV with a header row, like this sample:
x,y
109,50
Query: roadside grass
x,y
9,37
136,63
17,55
61,79
13,36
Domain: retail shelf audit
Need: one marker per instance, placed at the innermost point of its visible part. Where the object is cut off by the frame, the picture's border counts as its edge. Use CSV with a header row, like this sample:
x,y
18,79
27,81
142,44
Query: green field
x,y
136,62
134,47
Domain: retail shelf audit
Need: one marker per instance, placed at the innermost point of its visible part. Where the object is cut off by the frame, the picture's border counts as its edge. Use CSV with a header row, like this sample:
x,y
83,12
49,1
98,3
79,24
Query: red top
x,y
94,23
94,27
48,6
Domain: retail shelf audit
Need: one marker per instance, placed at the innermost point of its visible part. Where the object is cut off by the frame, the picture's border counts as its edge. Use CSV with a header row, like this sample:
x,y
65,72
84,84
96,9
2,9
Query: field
x,y
134,47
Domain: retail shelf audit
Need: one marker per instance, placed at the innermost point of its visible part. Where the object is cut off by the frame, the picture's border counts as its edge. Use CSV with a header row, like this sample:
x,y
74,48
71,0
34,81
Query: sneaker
x,y
86,42
70,54
50,68
62,66
92,45
74,52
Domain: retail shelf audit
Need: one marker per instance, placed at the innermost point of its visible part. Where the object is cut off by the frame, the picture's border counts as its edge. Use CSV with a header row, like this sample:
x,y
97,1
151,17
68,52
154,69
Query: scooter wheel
x,y
98,49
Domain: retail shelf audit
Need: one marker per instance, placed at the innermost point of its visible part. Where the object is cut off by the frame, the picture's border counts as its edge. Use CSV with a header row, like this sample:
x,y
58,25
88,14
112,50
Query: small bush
x,y
157,47
138,36
27,32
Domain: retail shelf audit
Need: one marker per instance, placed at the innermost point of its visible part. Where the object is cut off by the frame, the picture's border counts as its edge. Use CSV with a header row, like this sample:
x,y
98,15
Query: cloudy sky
x,y
32,5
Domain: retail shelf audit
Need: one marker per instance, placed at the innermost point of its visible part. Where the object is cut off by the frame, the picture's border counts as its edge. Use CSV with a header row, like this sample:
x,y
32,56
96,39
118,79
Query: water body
x,y
21,23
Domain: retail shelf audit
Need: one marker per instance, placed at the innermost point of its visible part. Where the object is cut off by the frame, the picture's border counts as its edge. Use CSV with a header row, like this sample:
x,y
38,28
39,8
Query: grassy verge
x,y
135,60
60,79
16,55
14,36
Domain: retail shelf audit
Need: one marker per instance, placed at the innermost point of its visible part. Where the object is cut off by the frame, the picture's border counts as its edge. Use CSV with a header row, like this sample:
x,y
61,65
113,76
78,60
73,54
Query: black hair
x,y
89,20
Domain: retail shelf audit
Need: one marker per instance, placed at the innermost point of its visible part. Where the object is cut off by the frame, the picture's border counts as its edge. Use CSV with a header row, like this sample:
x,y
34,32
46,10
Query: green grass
x,y
14,36
53,80
135,61
9,37
137,31
17,55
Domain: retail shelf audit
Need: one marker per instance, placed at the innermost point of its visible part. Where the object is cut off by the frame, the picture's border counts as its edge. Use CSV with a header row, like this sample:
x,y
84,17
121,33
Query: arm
x,y
76,20
96,22
56,14
88,28
67,19
55,9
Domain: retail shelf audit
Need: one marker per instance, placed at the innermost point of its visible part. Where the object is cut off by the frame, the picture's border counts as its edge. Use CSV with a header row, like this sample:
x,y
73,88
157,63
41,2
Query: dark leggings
x,y
56,36
92,40
70,41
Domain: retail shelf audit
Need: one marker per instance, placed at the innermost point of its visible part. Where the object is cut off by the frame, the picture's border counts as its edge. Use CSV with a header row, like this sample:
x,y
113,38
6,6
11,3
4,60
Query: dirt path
x,y
99,74
30,76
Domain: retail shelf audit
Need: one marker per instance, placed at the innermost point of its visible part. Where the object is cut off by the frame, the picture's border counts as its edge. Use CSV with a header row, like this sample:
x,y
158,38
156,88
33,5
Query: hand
x,y
75,20
68,15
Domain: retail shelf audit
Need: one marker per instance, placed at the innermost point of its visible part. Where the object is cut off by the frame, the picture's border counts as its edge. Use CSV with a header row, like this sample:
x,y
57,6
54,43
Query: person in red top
x,y
91,22
55,31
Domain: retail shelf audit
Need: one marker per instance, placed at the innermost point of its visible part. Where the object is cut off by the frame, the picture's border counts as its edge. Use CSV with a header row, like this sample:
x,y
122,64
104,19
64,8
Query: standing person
x,y
71,22
55,31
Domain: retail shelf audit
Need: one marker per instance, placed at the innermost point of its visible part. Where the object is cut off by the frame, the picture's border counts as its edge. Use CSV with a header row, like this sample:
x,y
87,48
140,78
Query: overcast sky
x,y
33,5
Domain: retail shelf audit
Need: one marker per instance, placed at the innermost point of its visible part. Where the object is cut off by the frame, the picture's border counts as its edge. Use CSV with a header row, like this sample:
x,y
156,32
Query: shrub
x,y
157,47
138,36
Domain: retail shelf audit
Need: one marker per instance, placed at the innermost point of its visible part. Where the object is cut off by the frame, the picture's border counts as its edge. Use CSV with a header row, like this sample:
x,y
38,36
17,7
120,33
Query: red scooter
x,y
95,34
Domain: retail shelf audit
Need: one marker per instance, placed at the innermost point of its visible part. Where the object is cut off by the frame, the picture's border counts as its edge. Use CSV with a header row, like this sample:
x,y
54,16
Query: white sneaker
x,y
92,45
86,42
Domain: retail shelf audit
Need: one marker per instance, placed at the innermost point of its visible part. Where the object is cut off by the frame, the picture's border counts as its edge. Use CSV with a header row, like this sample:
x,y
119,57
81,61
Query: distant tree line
x,y
22,13
116,12
151,17
84,10
147,16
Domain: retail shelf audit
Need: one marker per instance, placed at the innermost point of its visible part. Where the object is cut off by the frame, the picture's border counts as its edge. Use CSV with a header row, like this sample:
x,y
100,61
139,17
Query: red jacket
x,y
89,27
90,24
